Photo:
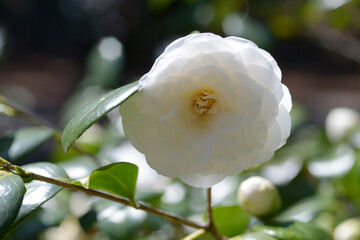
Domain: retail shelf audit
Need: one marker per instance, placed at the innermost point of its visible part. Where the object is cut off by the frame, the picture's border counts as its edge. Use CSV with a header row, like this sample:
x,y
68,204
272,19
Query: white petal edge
x,y
286,100
200,181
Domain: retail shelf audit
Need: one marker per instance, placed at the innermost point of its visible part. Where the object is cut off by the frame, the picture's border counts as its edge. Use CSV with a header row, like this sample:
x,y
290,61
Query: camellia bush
x,y
207,118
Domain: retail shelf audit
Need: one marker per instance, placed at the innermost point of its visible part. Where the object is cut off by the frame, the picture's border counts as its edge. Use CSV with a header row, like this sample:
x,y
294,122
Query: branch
x,y
26,113
211,225
33,176
343,44
37,120
29,176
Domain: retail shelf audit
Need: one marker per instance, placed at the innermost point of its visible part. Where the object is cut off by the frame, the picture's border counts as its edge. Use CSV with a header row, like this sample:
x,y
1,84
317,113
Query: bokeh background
x,y
57,55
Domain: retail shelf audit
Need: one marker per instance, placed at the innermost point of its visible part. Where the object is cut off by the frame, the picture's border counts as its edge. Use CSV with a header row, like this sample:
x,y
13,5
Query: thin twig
x,y
37,120
27,114
211,225
195,234
93,192
338,42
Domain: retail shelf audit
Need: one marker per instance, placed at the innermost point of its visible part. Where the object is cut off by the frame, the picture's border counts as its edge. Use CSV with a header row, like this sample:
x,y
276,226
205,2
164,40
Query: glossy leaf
x,y
93,111
200,234
337,164
20,143
296,231
81,182
117,220
305,210
37,192
230,220
254,236
5,109
12,191
351,183
79,167
117,178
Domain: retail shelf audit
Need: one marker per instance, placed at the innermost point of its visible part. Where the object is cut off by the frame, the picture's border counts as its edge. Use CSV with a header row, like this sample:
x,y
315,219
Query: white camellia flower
x,y
209,108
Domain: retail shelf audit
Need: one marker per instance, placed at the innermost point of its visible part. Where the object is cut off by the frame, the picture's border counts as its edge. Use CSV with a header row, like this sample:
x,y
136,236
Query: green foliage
x,y
117,178
296,231
321,191
230,220
255,236
37,192
12,191
93,111
118,221
104,64
307,209
23,141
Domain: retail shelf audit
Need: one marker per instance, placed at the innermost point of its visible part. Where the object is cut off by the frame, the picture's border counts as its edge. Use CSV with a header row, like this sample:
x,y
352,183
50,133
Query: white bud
x,y
340,121
347,230
258,197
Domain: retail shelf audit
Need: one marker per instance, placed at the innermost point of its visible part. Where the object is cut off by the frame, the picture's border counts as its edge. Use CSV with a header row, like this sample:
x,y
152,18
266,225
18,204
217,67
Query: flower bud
x,y
347,230
258,197
339,122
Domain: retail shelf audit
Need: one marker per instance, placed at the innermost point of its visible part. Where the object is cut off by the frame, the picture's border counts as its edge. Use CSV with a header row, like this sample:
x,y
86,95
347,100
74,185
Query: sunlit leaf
x,y
5,109
38,192
335,165
93,111
117,220
230,220
12,191
20,143
77,100
117,178
81,182
79,167
307,209
200,234
254,236
296,231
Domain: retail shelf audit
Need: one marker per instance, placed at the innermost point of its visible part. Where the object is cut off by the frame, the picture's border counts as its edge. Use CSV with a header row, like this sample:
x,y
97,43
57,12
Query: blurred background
x,y
51,49
56,56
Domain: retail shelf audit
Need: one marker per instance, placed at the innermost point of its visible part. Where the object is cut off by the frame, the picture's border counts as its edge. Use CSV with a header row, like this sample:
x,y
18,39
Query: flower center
x,y
204,101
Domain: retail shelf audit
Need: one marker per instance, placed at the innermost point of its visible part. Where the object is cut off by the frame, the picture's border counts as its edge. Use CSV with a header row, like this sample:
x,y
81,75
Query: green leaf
x,y
350,183
254,236
93,111
199,234
230,220
104,64
37,192
305,210
296,231
117,178
81,182
12,191
20,143
79,167
333,165
5,109
118,221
